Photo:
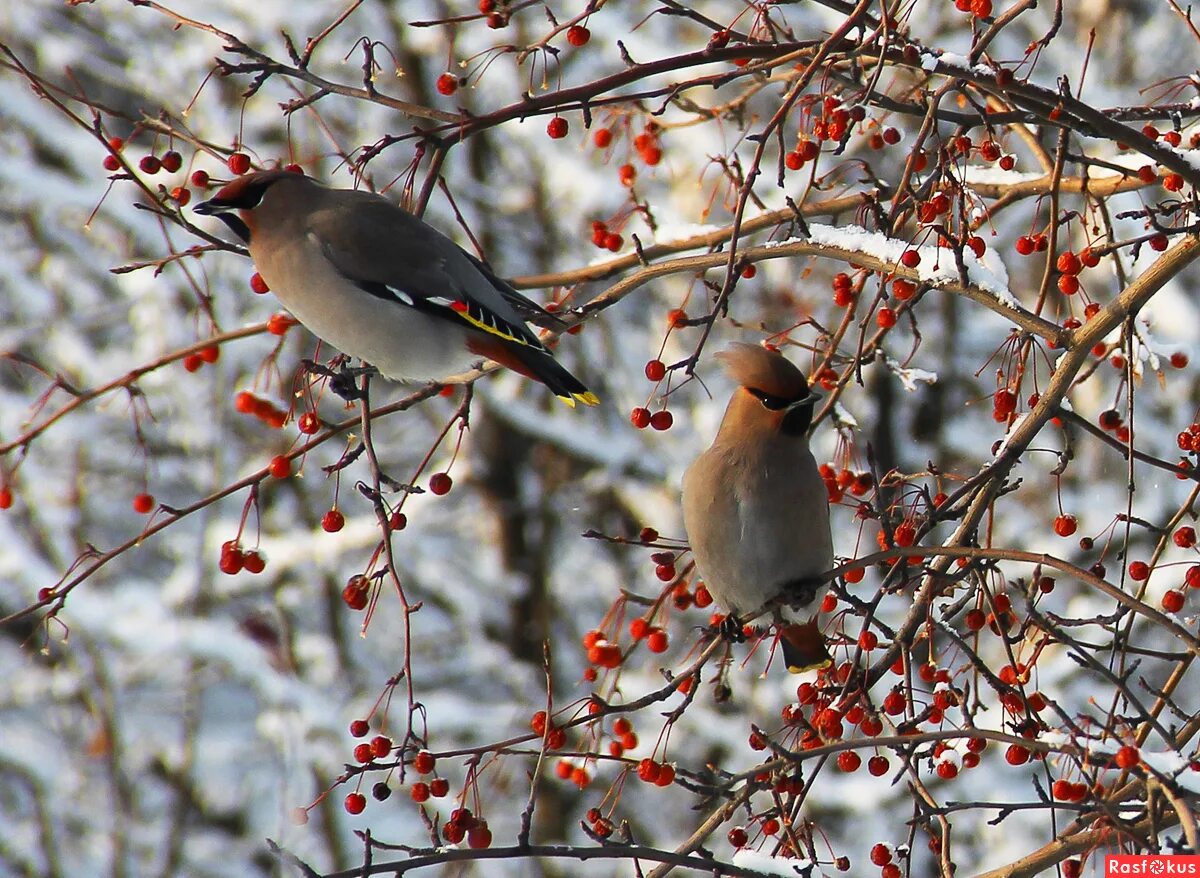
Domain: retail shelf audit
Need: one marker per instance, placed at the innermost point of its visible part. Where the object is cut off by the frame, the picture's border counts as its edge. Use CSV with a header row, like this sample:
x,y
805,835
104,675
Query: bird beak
x,y
812,399
210,208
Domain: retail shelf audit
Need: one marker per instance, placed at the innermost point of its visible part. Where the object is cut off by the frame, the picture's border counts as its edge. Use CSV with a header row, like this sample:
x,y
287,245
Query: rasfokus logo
x,y
1151,864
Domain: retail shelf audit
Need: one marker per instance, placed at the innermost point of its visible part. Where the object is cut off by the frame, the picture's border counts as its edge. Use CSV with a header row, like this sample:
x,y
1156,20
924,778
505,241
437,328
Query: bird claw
x,y
731,629
344,379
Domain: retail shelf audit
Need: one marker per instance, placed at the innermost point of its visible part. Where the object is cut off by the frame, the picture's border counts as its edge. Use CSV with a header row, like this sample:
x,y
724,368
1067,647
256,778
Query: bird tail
x,y
535,363
803,646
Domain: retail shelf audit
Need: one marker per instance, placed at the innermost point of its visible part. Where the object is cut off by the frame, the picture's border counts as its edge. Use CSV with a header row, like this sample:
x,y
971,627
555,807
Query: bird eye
x,y
774,403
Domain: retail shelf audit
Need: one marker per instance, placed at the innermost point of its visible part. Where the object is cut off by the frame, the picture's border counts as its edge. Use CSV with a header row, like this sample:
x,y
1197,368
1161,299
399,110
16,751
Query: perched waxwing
x,y
377,283
754,504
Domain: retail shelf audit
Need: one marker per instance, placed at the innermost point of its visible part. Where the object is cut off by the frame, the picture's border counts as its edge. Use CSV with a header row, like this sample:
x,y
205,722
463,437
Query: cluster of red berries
x,y
623,737
463,824
661,774
1189,439
834,121
600,651
235,559
604,238
641,417
838,482
266,411
556,737
648,145
208,354
1065,791
600,825
656,638
974,8
379,747
497,13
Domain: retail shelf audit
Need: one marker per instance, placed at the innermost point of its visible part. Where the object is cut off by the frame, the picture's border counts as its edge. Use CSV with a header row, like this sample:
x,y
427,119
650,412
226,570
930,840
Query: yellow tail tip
x,y
587,398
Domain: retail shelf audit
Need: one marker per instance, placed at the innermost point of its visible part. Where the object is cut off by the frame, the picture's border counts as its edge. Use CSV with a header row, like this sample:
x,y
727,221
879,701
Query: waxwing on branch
x,y
377,283
755,506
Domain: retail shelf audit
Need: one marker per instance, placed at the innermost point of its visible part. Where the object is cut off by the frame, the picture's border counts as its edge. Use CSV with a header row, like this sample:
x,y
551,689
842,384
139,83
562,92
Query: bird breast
x,y
756,520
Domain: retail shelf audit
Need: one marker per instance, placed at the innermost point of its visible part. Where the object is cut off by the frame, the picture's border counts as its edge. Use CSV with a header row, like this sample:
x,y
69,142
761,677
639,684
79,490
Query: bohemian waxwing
x,y
378,283
754,504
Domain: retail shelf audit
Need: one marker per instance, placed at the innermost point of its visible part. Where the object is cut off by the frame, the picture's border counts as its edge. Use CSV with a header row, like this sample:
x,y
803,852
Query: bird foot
x,y
731,628
343,380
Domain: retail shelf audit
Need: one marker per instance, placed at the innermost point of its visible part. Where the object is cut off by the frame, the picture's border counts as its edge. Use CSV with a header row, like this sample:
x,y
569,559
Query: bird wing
x,y
391,254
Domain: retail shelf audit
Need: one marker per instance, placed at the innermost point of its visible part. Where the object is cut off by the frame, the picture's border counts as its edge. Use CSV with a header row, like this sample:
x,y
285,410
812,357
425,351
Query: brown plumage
x,y
754,504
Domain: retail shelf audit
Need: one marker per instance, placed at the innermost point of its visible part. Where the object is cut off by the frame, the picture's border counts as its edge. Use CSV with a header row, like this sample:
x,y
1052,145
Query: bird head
x,y
235,202
772,392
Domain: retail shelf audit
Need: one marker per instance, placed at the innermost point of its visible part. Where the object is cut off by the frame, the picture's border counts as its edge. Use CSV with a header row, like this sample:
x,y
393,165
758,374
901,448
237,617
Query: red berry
x,y
1016,755
878,765
910,258
258,284
355,803
254,562
171,161
447,84
1172,600
231,558
662,420
656,641
648,770
308,423
656,370
849,761
602,137
381,746
640,418
479,836
439,787
557,128
578,35
1065,525
886,318
280,467
881,854
112,163
424,762
150,164
239,163
192,362
419,791
1128,757
143,503
333,521
200,179
1185,537
1139,570
440,483
1068,263
279,323
738,837
1179,360
894,702
1173,182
